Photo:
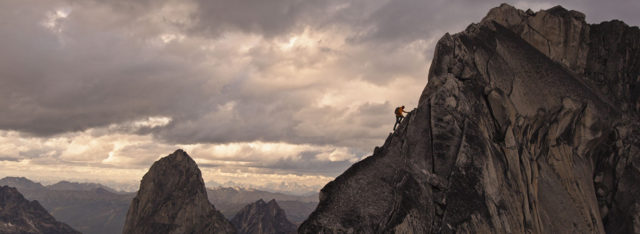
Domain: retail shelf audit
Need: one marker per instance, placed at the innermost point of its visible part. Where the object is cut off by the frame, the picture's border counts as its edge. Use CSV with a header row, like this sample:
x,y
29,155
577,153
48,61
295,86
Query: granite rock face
x,y
263,218
18,215
528,124
172,199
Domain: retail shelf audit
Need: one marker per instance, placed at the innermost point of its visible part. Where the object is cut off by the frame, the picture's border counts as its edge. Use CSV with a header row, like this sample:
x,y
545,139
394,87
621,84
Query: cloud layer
x,y
255,88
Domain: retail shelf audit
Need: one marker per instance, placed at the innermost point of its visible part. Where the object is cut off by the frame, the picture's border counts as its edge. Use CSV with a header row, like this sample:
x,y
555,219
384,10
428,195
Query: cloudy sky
x,y
279,94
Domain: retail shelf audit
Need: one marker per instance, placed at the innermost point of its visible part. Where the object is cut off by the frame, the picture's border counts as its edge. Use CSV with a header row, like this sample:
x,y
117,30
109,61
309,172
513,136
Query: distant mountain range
x,y
21,183
73,186
95,208
282,187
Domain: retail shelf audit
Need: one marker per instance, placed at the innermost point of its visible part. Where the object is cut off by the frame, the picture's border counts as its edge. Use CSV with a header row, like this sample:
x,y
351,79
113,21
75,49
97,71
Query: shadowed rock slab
x,y
528,124
172,199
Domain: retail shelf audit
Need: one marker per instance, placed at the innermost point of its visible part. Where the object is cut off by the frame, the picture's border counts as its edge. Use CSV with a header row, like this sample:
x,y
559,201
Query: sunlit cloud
x,y
54,18
118,149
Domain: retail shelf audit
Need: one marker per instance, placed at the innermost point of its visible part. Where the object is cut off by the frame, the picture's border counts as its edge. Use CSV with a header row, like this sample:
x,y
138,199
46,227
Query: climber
x,y
399,116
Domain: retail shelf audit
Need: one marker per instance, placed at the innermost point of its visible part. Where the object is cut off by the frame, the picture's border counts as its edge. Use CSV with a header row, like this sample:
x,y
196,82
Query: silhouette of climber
x,y
399,116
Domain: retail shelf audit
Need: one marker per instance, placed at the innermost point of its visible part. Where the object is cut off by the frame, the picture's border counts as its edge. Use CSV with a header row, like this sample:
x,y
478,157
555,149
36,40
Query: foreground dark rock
x,y
172,199
18,215
529,124
262,218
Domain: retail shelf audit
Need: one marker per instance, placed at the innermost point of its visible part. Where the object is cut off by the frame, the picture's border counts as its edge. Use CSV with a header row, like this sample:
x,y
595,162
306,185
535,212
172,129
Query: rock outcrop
x,y
528,124
172,199
88,208
18,215
229,201
263,218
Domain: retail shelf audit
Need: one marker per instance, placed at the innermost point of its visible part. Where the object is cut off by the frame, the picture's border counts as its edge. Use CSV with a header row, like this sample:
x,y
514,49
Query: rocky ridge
x,y
172,199
18,215
21,183
74,186
528,124
262,218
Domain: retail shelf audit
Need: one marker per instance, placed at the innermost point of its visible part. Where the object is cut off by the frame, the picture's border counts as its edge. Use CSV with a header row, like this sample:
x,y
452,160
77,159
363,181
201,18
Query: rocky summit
x,y
172,199
528,124
263,218
18,215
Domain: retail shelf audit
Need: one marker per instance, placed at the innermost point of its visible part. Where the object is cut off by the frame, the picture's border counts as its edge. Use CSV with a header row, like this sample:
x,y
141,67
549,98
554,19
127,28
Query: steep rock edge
x,y
528,124
173,199
262,218
18,215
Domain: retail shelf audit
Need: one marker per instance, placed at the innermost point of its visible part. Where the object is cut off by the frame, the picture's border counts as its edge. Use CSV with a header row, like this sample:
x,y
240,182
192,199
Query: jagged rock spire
x,y
172,199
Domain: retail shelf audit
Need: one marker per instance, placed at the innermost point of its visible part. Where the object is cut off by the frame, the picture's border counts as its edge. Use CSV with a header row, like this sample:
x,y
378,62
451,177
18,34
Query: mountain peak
x,y
506,11
177,170
560,34
21,183
75,186
180,153
172,199
528,124
10,194
261,217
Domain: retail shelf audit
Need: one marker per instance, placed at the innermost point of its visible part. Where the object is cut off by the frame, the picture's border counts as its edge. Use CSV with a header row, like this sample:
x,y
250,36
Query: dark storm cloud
x,y
597,11
89,76
401,21
9,159
269,18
